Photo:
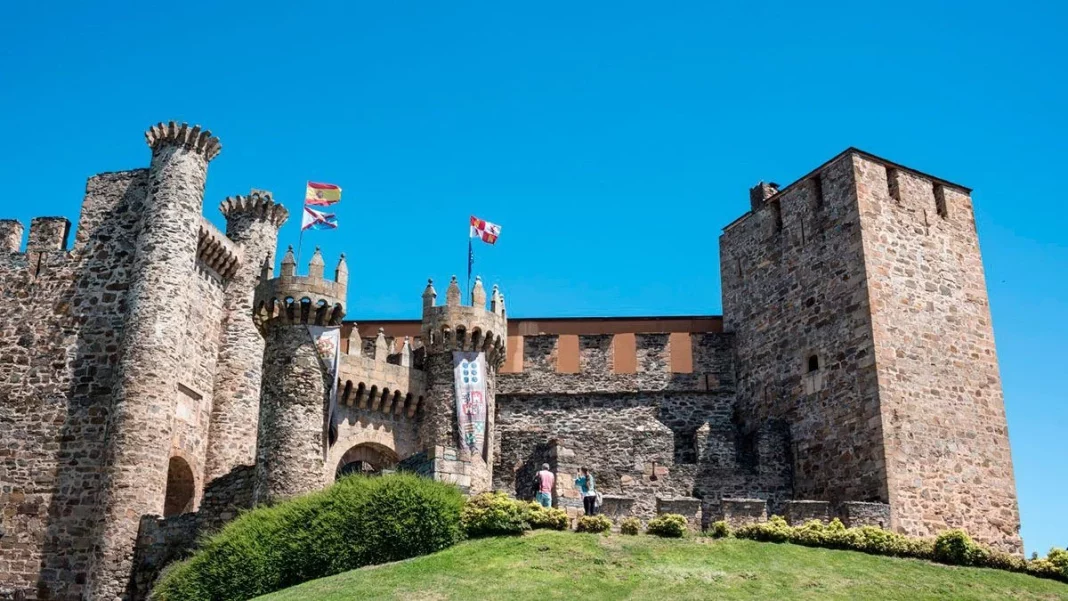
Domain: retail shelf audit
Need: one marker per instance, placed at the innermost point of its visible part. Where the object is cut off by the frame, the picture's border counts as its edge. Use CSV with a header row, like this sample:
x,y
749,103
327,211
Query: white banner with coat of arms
x,y
328,343
469,374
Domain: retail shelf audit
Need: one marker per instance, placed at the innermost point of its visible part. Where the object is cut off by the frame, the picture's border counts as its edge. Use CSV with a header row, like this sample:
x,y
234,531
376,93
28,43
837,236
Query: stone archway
x,y
365,458
181,488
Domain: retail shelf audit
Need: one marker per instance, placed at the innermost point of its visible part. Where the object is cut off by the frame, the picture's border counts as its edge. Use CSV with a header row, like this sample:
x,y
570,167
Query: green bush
x,y
719,529
775,530
630,526
667,525
955,547
356,522
546,517
1059,558
593,523
495,514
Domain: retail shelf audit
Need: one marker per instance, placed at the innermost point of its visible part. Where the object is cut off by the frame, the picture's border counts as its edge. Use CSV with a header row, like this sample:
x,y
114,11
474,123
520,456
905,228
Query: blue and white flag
x,y
317,220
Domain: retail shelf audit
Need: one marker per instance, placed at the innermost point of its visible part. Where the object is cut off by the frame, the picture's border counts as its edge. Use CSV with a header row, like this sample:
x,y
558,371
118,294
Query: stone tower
x,y
292,439
445,329
147,388
252,222
859,308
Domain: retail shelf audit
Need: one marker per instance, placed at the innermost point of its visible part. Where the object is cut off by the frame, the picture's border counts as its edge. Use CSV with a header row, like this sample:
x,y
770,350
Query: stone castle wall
x,y
794,288
61,333
942,408
644,435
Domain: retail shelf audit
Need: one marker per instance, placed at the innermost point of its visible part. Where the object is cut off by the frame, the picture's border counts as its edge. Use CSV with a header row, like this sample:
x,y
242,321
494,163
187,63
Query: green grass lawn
x,y
584,567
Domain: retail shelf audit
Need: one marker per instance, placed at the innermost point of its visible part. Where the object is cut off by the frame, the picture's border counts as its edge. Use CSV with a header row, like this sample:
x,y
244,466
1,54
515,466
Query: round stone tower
x,y
252,222
292,440
139,430
470,341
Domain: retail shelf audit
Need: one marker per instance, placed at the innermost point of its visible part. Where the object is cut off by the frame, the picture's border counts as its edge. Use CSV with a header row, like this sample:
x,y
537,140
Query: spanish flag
x,y
321,195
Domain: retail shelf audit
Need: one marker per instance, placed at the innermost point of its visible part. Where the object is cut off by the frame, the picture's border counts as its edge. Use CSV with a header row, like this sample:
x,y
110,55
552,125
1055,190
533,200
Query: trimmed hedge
x,y
356,522
549,518
630,526
668,525
952,547
494,514
593,523
497,514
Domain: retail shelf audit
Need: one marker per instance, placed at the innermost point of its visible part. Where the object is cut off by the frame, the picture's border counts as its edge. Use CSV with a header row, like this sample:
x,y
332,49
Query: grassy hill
x,y
546,565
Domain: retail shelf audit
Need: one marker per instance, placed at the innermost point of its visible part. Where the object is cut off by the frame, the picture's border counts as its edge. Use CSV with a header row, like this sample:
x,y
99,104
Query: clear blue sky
x,y
612,140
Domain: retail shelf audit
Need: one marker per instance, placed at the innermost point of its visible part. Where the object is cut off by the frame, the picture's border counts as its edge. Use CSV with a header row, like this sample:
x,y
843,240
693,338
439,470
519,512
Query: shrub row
x,y
953,547
497,514
359,521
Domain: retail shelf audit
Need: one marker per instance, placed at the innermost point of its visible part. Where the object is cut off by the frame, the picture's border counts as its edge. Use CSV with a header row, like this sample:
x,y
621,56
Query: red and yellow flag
x,y
321,194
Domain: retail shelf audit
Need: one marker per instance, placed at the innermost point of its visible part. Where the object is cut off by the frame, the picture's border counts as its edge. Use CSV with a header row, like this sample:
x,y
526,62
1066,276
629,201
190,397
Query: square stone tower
x,y
859,306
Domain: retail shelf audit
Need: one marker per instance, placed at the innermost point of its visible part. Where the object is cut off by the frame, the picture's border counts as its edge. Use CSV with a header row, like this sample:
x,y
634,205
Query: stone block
x,y
739,512
688,507
799,512
853,514
617,507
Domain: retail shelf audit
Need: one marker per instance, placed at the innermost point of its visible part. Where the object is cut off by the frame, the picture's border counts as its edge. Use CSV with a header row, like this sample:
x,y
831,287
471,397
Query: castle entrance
x,y
366,458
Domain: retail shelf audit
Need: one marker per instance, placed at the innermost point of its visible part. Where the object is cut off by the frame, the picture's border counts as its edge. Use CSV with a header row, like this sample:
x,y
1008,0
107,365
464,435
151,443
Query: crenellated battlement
x,y
217,251
454,326
625,362
192,138
293,299
11,231
385,381
259,204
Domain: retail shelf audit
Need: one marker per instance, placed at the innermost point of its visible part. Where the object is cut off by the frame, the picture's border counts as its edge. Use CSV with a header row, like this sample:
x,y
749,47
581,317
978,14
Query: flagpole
x,y
300,241
470,262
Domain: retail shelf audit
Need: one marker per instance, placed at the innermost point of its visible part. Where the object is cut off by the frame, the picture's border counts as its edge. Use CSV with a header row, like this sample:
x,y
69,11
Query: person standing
x,y
545,481
589,495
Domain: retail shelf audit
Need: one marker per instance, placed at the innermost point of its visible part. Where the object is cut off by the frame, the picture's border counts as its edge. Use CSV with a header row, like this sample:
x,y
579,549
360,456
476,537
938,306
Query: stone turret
x,y
147,391
291,447
456,333
252,222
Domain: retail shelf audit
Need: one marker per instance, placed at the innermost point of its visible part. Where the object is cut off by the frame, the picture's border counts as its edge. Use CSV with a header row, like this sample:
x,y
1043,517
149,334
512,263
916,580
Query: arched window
x,y
813,363
181,488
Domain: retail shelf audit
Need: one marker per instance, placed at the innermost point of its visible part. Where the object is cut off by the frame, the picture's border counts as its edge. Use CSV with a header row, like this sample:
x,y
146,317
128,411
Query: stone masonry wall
x,y
648,434
943,413
147,386
290,443
252,222
397,433
198,350
61,333
161,541
794,287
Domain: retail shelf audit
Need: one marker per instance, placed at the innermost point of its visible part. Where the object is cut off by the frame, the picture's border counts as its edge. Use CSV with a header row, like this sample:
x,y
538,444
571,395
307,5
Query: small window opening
x,y
776,215
817,191
940,201
813,363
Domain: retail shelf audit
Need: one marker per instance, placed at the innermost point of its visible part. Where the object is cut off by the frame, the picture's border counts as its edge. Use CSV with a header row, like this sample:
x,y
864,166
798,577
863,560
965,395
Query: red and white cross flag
x,y
488,232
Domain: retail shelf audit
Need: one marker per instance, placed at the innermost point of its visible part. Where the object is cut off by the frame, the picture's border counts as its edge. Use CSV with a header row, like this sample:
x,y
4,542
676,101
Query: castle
x,y
157,377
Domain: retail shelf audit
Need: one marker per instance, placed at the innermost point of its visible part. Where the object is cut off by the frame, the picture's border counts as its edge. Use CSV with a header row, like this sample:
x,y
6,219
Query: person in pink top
x,y
545,480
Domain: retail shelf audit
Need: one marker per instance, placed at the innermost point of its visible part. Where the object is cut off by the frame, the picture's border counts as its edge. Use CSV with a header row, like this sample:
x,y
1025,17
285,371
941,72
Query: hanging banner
x,y
469,374
328,342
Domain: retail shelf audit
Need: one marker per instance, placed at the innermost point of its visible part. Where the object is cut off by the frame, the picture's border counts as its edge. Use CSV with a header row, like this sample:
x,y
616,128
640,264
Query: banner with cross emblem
x,y
469,374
